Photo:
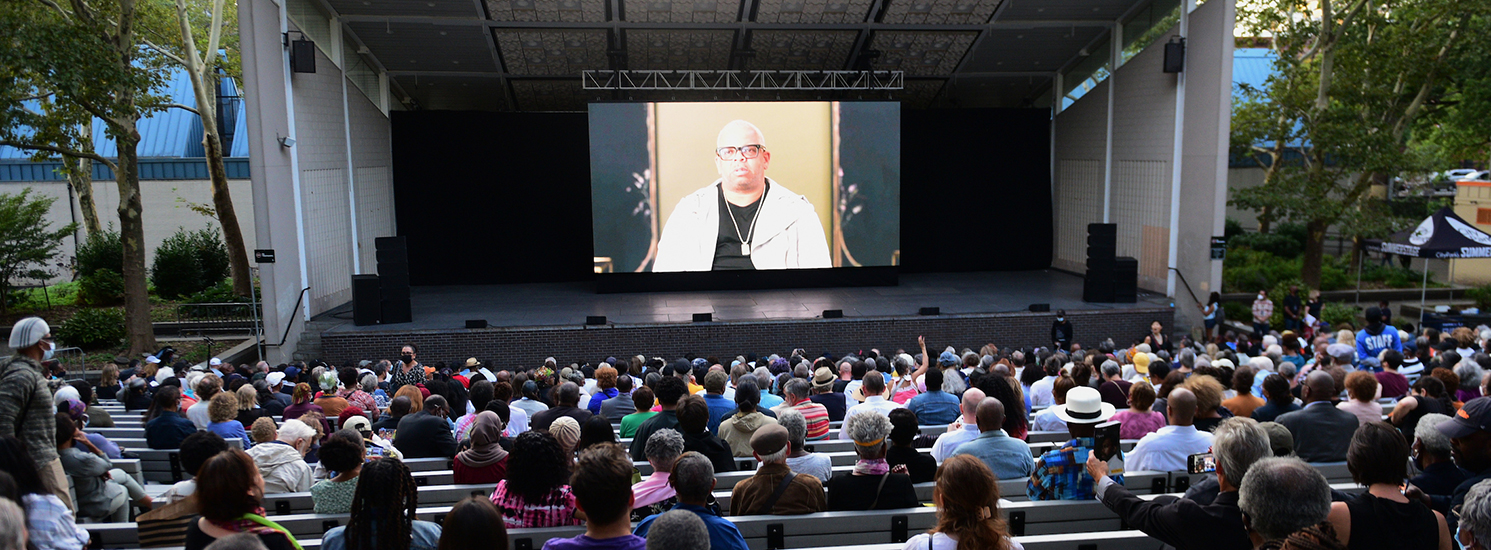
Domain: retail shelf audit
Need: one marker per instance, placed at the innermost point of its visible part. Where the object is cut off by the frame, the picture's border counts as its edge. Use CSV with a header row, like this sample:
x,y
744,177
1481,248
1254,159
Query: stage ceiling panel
x,y
993,91
681,11
557,52
427,46
550,95
944,12
1065,10
456,93
921,53
658,49
784,50
812,11
573,11
429,8
1043,49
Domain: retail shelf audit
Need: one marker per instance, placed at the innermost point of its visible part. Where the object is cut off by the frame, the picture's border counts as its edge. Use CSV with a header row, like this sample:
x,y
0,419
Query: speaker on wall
x,y
1175,55
703,317
365,309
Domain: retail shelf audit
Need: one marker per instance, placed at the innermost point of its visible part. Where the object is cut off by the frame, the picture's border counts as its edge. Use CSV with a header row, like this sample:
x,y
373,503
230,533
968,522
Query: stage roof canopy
x,y
528,55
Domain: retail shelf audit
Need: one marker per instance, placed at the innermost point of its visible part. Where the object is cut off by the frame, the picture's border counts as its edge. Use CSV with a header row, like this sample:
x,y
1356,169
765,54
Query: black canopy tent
x,y
1442,235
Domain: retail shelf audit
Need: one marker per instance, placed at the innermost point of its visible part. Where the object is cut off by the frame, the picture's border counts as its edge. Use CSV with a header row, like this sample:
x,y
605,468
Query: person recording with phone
x,y
744,220
1184,524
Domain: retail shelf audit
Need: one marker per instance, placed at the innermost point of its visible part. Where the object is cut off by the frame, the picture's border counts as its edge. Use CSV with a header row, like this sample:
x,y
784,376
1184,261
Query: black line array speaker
x,y
365,297
1102,261
393,277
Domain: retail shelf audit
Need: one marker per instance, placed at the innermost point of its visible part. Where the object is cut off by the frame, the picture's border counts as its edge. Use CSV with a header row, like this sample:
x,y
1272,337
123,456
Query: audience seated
x,y
102,492
301,403
904,430
426,434
249,409
1394,384
536,492
872,485
818,465
567,432
655,494
678,529
618,406
668,390
1166,450
1046,420
342,456
935,407
693,423
567,398
195,450
796,395
228,496
693,480
486,460
331,404
714,396
642,402
827,393
1206,386
1279,399
1381,516
1475,518
1059,474
968,515
1429,397
1285,498
873,390
49,522
281,462
774,488
207,386
98,417
737,428
1322,433
1431,456
1244,403
1361,389
966,426
1006,457
601,484
1139,419
222,413
1115,389
388,425
165,426
473,524
356,393
383,512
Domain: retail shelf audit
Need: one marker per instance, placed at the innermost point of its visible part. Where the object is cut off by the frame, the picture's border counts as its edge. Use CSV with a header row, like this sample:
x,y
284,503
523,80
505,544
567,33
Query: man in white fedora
x,y
1061,474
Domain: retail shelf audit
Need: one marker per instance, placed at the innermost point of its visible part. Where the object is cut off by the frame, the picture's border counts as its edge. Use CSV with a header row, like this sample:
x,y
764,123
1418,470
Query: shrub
x,y
1273,243
1481,295
101,288
102,250
1337,314
1231,228
189,262
36,299
93,328
220,293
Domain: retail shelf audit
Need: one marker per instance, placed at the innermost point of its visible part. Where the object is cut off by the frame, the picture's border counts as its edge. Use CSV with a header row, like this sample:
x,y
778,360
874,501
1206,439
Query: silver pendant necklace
x,y
745,242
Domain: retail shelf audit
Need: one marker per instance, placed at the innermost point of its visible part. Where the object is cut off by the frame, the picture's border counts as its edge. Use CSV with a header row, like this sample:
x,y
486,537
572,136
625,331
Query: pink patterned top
x,y
1136,426
362,400
554,510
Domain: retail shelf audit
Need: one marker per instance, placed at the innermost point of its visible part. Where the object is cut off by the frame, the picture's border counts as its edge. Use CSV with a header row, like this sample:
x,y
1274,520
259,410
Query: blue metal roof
x,y
169,134
1251,66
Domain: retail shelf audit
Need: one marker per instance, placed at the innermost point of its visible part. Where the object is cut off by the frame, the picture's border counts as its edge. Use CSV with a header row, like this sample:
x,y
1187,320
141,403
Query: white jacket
x,y
788,233
282,467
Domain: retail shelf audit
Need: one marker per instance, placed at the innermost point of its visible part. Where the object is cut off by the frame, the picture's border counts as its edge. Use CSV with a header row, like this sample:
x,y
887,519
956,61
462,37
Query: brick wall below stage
x,y
528,346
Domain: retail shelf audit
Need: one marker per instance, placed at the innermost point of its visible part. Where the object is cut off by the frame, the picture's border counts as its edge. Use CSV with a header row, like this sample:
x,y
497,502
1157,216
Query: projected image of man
x,y
744,220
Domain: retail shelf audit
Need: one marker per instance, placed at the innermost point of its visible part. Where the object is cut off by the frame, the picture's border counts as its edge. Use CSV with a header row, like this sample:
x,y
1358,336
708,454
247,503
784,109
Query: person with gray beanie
x,y
26,409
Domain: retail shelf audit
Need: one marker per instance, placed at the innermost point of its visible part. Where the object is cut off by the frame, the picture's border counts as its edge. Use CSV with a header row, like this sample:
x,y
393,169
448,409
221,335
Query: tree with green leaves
x,y
27,243
86,56
1353,80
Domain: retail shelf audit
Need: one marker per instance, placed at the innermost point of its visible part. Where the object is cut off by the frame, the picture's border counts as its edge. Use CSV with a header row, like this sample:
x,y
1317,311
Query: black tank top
x,y
1380,523
1426,405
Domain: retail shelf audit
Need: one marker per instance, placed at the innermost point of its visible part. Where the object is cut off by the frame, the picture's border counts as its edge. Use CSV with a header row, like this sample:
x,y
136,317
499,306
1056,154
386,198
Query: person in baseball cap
x,y
1059,474
1469,430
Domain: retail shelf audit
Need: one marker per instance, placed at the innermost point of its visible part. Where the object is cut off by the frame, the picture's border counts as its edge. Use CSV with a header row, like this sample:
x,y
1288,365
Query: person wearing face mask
x,y
1061,331
408,370
1263,308
26,408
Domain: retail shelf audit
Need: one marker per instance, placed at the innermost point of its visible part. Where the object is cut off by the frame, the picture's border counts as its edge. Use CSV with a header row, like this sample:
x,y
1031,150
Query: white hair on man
x,y
1475,517
1260,363
677,529
1238,443
295,430
1430,438
12,526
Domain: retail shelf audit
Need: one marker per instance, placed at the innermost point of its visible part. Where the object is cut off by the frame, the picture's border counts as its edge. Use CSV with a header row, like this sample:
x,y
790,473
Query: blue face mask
x,y
51,349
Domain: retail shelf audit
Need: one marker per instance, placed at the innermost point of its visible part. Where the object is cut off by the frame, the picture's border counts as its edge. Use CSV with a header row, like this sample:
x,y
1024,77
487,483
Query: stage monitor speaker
x,y
703,317
833,314
1102,229
476,323
365,298
1040,308
1175,55
390,243
595,319
396,311
929,311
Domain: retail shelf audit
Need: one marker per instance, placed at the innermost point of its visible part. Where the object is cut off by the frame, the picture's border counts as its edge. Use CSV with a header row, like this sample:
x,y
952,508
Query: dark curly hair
x,y
342,452
383,507
669,389
1000,386
536,465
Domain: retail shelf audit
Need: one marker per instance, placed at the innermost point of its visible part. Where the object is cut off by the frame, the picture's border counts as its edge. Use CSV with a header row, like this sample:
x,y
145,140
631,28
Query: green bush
x,y
36,299
1247,270
1231,228
93,328
189,262
102,250
1273,243
101,288
1337,314
1481,295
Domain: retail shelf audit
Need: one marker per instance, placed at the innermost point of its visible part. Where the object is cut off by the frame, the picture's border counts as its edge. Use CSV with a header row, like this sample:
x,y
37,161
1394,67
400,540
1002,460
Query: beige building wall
x,y
166,209
798,135
1471,199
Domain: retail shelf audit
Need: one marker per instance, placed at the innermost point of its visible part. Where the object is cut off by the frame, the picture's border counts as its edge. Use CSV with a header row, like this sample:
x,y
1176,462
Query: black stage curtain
x,y
492,198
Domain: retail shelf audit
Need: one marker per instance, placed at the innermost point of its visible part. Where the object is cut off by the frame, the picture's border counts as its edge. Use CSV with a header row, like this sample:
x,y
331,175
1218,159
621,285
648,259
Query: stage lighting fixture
x,y
930,311
476,323
703,317
595,319
833,314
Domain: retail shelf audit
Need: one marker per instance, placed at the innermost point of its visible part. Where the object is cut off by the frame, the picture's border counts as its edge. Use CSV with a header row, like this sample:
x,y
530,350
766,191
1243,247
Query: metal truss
x,y
744,80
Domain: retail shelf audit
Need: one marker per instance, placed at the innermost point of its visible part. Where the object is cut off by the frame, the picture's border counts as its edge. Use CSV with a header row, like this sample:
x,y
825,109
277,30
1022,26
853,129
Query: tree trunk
x,y
80,174
132,235
1358,247
1314,253
1264,218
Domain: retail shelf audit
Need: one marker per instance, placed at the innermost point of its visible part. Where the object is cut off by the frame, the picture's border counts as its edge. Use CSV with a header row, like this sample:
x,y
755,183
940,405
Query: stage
x,y
528,322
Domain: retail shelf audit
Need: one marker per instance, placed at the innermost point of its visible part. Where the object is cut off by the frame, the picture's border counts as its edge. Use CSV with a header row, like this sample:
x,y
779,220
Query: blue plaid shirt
x,y
1062,474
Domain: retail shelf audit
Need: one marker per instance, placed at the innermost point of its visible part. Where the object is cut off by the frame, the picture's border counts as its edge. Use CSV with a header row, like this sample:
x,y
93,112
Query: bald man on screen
x,y
744,220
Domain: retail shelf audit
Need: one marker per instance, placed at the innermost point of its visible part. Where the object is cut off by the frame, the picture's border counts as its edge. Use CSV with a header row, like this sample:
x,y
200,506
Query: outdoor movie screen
x,y
740,185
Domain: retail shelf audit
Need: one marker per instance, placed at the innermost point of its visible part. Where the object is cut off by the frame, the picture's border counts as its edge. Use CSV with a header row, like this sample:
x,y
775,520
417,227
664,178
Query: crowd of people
x,y
551,438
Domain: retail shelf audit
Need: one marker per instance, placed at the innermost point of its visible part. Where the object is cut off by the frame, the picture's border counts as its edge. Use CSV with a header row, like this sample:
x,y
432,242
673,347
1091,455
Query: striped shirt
x,y
817,419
